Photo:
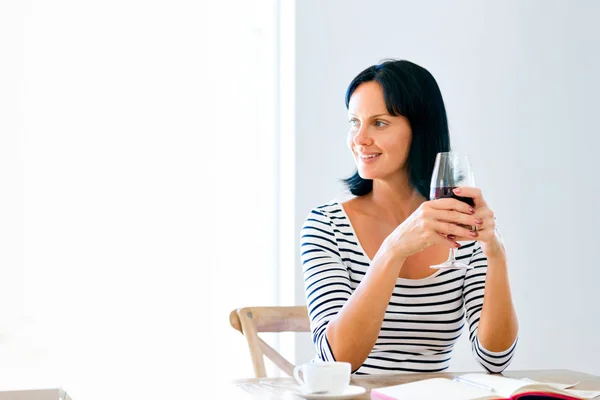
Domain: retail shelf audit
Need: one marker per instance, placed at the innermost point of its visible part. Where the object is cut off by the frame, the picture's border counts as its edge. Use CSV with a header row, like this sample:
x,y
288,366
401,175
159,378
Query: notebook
x,y
481,387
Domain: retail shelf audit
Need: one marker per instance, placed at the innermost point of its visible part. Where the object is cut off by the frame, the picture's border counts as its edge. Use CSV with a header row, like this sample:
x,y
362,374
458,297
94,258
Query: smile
x,y
369,156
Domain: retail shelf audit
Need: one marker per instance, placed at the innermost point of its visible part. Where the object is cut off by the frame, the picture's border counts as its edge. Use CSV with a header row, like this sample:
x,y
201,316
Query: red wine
x,y
445,192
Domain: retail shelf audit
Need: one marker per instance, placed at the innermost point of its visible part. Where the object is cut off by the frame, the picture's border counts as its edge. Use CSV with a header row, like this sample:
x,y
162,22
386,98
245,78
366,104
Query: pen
x,y
475,384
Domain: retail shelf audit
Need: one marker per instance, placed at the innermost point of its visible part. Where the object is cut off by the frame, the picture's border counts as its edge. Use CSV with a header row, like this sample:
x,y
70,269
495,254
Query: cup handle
x,y
297,375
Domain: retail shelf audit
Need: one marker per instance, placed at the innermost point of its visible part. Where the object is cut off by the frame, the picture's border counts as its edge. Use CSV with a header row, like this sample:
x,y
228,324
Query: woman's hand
x,y
439,221
485,222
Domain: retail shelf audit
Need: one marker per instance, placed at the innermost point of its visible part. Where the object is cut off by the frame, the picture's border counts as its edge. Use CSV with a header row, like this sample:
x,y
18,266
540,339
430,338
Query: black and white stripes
x,y
424,318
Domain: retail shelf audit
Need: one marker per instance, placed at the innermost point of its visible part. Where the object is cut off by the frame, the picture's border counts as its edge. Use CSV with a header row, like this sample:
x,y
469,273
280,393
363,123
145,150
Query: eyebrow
x,y
375,116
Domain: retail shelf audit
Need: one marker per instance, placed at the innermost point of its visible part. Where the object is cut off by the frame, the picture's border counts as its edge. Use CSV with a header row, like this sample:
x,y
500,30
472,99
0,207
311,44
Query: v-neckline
x,y
353,231
364,253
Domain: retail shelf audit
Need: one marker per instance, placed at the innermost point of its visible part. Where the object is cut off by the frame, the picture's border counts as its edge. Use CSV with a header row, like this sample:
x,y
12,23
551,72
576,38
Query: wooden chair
x,y
252,320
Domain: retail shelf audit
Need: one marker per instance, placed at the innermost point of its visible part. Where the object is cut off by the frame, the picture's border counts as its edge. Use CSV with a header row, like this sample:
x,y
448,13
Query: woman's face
x,y
379,141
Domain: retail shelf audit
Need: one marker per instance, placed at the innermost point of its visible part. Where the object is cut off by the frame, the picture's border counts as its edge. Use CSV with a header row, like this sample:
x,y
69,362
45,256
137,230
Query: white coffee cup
x,y
330,377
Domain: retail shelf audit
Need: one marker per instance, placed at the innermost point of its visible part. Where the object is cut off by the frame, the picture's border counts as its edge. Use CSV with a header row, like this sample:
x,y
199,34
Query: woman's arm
x,y
492,341
344,325
488,301
354,331
498,326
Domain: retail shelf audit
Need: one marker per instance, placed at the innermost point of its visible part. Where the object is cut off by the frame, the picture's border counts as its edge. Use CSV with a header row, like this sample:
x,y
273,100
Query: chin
x,y
368,173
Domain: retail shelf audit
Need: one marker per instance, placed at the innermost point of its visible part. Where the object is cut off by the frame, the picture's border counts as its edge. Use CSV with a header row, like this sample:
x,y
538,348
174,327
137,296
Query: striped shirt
x,y
424,317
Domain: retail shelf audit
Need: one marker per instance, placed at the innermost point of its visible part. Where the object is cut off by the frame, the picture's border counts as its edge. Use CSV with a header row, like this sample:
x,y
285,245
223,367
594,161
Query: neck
x,y
395,198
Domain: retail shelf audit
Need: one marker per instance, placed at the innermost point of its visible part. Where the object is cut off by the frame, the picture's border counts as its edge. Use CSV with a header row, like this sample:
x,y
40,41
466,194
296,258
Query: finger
x,y
483,231
447,229
484,218
451,204
486,225
470,238
457,217
449,241
484,213
474,193
483,236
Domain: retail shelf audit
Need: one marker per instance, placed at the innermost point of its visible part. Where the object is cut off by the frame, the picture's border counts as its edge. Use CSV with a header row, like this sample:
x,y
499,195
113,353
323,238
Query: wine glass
x,y
451,170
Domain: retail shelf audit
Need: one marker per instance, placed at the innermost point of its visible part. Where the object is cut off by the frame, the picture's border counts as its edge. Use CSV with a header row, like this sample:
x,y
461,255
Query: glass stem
x,y
452,255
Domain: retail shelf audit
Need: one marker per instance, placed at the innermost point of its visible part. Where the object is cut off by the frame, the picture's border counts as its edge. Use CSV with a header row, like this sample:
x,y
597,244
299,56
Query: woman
x,y
372,297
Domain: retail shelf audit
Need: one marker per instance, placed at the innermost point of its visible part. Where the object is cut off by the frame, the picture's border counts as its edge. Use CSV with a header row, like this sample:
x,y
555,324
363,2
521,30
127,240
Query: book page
x,y
561,386
584,394
504,387
436,388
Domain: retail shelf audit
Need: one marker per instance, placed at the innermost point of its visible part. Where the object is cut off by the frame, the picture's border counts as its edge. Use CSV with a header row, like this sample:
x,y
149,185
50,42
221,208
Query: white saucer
x,y
349,393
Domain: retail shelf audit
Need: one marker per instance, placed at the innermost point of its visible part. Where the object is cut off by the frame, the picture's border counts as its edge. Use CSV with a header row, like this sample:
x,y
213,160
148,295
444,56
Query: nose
x,y
362,138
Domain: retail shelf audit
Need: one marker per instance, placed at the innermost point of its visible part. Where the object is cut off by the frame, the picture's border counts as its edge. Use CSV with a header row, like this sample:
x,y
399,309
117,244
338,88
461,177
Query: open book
x,y
481,387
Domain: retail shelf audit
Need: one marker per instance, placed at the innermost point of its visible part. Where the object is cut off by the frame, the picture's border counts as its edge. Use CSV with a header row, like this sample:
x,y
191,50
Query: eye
x,y
380,124
354,122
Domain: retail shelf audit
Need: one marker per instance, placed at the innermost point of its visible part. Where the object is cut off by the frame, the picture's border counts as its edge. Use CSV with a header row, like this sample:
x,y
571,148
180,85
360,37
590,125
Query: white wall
x,y
520,81
133,137
11,189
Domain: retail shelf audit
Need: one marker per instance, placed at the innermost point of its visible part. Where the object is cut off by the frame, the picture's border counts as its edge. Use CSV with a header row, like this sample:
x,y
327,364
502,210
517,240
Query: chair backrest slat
x,y
252,320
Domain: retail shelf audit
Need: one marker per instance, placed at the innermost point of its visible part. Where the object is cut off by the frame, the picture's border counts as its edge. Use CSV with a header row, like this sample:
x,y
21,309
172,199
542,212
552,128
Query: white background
x,y
138,190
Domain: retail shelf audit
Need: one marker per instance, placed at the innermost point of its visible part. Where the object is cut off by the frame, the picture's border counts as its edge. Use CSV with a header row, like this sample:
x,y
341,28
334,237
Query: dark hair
x,y
411,91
